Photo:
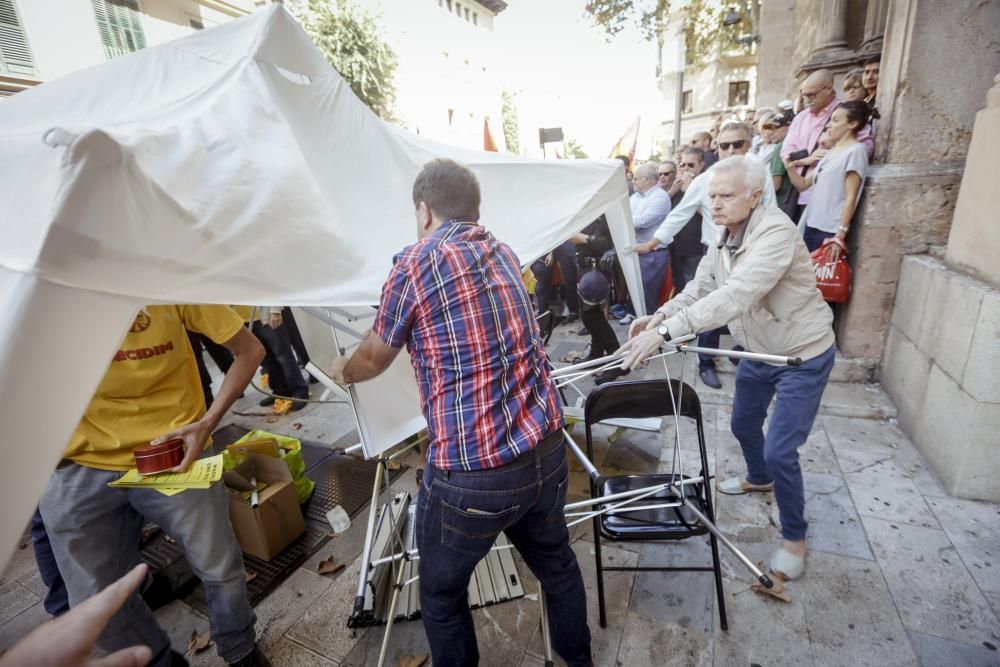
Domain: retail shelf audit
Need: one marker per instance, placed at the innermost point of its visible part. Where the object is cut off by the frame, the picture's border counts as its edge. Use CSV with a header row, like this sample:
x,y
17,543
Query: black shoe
x,y
609,375
298,404
178,660
709,377
572,317
583,332
255,659
266,402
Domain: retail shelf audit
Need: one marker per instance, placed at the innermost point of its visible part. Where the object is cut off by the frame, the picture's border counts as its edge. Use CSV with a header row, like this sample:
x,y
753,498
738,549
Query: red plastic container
x,y
159,458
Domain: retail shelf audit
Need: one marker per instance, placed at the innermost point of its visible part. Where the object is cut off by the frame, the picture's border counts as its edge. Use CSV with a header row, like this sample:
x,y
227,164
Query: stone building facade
x,y
924,312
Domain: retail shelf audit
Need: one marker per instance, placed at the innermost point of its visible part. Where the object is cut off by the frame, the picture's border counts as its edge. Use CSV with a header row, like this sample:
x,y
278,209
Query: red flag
x,y
626,145
488,143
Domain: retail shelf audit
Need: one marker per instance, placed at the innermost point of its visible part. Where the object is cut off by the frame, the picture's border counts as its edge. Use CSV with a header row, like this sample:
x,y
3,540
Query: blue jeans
x,y
814,238
459,516
708,339
95,531
56,601
653,266
775,457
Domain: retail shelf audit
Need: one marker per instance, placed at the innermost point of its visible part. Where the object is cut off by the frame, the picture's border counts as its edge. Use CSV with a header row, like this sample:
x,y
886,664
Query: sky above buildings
x,y
567,75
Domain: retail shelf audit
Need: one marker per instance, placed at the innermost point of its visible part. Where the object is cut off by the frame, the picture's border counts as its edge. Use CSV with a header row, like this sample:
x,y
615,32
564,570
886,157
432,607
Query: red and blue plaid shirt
x,y
457,300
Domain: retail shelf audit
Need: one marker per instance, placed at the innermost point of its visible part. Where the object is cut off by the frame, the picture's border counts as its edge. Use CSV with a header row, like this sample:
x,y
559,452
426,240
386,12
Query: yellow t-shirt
x,y
151,387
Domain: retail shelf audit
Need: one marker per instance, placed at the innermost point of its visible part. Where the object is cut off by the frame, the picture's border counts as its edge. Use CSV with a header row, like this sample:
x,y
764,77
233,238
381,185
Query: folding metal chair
x,y
661,516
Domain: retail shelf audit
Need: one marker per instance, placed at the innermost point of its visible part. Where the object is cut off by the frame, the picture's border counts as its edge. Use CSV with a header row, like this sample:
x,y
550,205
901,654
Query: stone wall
x,y
973,244
940,367
938,62
905,210
774,53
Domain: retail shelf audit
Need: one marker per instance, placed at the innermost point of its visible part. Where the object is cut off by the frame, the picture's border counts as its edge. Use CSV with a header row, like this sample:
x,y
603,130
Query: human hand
x,y
638,325
644,248
640,348
337,372
275,320
195,436
548,259
834,246
685,180
69,639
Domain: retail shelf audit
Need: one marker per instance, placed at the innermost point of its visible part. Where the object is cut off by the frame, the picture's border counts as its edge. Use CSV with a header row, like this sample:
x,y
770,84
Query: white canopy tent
x,y
231,166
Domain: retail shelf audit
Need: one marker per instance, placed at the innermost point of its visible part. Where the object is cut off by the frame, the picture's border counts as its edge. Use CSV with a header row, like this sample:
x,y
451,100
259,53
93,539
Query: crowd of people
x,y
816,151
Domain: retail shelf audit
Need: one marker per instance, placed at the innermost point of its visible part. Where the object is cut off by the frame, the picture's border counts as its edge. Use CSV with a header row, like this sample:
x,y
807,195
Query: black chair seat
x,y
666,523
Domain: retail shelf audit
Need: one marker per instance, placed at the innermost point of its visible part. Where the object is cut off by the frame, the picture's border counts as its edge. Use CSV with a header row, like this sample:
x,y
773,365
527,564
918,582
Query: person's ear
x,y
755,197
424,216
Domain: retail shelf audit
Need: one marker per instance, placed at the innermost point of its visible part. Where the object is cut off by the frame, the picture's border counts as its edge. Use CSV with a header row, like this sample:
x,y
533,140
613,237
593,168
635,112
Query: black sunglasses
x,y
726,145
666,173
689,165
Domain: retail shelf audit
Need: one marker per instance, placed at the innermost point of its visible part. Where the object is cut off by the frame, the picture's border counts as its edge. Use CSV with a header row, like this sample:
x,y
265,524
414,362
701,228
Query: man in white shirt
x,y
734,139
650,206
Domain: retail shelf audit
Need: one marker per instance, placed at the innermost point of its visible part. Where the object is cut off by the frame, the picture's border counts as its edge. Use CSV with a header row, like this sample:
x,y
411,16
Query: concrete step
x,y
841,399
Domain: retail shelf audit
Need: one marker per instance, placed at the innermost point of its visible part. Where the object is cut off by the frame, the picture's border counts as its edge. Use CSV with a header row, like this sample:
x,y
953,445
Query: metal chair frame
x,y
643,399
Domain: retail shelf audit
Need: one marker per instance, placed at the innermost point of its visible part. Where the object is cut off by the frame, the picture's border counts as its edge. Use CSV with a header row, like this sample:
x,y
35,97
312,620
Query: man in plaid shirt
x,y
496,462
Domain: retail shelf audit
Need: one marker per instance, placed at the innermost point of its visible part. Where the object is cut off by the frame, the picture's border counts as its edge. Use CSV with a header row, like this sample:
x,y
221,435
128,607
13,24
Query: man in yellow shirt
x,y
151,393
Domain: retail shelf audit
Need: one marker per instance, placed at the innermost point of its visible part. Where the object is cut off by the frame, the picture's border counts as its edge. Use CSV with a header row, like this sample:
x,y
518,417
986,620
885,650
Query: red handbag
x,y
832,278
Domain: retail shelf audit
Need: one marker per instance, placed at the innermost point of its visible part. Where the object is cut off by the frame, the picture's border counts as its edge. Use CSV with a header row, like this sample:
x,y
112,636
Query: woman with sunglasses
x,y
838,179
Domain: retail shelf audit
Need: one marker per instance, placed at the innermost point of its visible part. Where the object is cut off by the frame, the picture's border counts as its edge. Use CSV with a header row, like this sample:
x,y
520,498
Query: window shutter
x,y
119,25
15,56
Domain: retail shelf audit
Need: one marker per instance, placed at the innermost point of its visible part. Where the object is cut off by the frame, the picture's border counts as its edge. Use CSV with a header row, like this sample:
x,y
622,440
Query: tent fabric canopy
x,y
233,165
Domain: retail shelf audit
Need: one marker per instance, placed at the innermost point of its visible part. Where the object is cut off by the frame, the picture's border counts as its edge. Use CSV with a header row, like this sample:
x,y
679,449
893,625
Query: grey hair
x,y
736,125
647,170
752,169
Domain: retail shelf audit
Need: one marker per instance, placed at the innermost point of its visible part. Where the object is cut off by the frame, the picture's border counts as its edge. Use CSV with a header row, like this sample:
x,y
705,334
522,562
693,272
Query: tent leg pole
x,y
546,639
392,611
359,600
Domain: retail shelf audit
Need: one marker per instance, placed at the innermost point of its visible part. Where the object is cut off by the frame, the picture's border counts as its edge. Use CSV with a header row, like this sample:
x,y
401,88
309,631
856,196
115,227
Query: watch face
x,y
663,330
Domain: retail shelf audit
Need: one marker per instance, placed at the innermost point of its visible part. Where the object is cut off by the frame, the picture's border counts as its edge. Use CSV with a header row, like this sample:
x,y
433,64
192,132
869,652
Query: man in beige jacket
x,y
758,279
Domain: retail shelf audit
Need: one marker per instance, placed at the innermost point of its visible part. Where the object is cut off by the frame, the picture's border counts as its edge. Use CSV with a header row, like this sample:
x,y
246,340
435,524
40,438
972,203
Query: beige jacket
x,y
765,291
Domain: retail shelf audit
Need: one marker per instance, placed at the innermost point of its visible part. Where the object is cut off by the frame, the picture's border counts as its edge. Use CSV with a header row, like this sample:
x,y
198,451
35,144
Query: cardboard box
x,y
265,446
277,521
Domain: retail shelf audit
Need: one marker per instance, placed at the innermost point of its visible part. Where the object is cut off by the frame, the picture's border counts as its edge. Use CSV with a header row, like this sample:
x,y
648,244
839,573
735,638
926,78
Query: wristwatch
x,y
663,331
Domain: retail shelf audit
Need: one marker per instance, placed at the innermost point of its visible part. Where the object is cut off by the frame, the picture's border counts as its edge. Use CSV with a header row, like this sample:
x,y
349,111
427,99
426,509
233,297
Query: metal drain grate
x,y
340,480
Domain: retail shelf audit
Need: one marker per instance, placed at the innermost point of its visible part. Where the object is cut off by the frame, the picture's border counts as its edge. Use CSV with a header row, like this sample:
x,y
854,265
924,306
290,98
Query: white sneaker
x,y
627,319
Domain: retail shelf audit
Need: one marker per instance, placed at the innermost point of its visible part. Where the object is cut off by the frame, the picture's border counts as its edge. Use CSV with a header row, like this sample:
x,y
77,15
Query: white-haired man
x,y
650,205
734,140
758,278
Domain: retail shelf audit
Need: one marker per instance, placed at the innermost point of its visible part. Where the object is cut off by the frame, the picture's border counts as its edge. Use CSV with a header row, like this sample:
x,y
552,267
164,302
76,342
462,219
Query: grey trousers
x,y
95,532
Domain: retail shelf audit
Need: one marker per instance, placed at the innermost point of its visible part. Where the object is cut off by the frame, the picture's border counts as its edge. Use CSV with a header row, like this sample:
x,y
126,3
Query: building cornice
x,y
225,7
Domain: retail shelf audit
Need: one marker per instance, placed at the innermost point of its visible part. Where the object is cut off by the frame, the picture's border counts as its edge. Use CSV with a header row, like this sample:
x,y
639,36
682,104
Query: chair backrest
x,y
641,398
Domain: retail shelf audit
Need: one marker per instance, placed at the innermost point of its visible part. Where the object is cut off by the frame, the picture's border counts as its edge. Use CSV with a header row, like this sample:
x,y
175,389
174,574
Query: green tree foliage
x,y
574,149
704,21
509,117
351,40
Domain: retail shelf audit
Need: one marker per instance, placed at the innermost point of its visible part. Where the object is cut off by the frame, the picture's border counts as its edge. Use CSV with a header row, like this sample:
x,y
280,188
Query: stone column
x,y
831,51
874,28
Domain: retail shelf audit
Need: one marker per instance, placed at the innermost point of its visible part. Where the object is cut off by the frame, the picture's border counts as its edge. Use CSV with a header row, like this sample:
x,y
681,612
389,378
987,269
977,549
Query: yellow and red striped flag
x,y
626,145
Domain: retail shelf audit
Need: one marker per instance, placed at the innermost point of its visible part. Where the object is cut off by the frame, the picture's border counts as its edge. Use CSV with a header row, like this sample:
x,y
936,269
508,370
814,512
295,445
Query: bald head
x,y
702,140
817,90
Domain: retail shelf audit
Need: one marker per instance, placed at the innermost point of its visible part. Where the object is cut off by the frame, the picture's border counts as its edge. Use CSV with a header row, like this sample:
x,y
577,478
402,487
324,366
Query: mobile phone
x,y
798,155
